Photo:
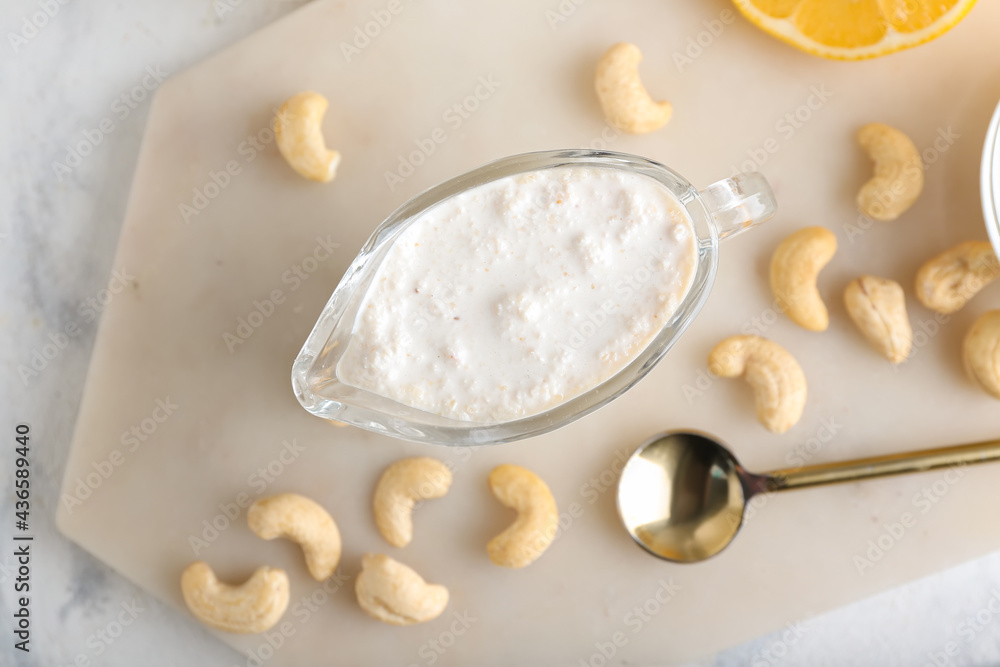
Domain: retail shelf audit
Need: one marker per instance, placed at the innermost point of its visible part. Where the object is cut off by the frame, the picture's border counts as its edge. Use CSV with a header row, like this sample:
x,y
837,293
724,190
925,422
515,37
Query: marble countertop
x,y
73,74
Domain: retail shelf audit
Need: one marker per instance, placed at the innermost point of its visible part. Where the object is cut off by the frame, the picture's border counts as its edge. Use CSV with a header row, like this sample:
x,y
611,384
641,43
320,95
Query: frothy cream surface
x,y
517,295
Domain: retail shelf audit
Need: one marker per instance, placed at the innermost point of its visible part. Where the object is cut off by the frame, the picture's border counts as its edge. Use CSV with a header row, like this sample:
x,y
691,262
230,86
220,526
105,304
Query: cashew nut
x,y
778,382
878,308
299,135
947,282
537,520
391,592
625,101
253,606
795,266
899,173
981,352
403,483
301,520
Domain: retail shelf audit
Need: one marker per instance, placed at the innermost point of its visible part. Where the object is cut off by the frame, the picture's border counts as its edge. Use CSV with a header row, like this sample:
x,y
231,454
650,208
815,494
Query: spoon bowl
x,y
681,496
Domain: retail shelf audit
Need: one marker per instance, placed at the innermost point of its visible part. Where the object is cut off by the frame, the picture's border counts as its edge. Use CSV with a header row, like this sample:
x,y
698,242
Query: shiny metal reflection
x,y
680,497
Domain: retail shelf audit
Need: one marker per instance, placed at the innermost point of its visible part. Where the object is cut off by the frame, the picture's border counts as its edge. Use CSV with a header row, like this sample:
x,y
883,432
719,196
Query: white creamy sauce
x,y
517,295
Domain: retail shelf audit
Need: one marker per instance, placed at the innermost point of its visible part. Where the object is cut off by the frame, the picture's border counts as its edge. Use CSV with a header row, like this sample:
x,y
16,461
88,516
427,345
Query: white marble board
x,y
235,427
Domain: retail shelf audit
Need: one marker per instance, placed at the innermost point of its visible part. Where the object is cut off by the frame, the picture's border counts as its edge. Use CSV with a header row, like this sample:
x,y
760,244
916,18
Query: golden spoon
x,y
681,495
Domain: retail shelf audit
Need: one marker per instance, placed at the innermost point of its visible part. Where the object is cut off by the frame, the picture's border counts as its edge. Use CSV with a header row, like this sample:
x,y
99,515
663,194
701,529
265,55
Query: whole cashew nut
x,y
253,606
537,520
625,101
403,483
391,592
795,267
301,520
899,173
777,379
878,308
947,282
981,352
299,135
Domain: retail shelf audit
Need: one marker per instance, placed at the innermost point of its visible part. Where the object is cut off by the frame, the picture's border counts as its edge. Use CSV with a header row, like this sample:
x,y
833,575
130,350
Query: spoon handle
x,y
882,466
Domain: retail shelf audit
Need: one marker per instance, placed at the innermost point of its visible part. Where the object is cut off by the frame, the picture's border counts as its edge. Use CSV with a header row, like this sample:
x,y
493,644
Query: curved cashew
x,y
899,173
878,308
777,379
947,282
537,520
253,606
301,520
625,101
298,131
795,266
391,592
981,352
403,483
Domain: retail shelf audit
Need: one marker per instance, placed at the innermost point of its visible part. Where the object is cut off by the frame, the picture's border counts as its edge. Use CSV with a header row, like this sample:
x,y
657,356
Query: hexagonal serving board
x,y
188,414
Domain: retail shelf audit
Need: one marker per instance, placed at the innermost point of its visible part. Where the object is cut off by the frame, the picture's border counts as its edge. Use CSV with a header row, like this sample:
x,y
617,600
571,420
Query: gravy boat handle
x,y
738,203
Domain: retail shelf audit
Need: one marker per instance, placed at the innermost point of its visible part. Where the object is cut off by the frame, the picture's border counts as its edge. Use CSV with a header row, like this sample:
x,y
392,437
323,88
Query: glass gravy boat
x,y
721,210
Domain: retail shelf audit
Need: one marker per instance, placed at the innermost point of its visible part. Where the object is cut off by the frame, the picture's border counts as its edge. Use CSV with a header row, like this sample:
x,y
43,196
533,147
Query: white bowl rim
x,y
989,184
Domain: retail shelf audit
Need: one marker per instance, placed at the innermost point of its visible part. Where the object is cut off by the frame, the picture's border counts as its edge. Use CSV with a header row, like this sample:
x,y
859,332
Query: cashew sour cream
x,y
517,295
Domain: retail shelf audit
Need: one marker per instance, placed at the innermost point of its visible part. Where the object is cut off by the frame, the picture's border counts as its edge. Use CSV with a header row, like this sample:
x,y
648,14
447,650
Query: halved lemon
x,y
854,29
